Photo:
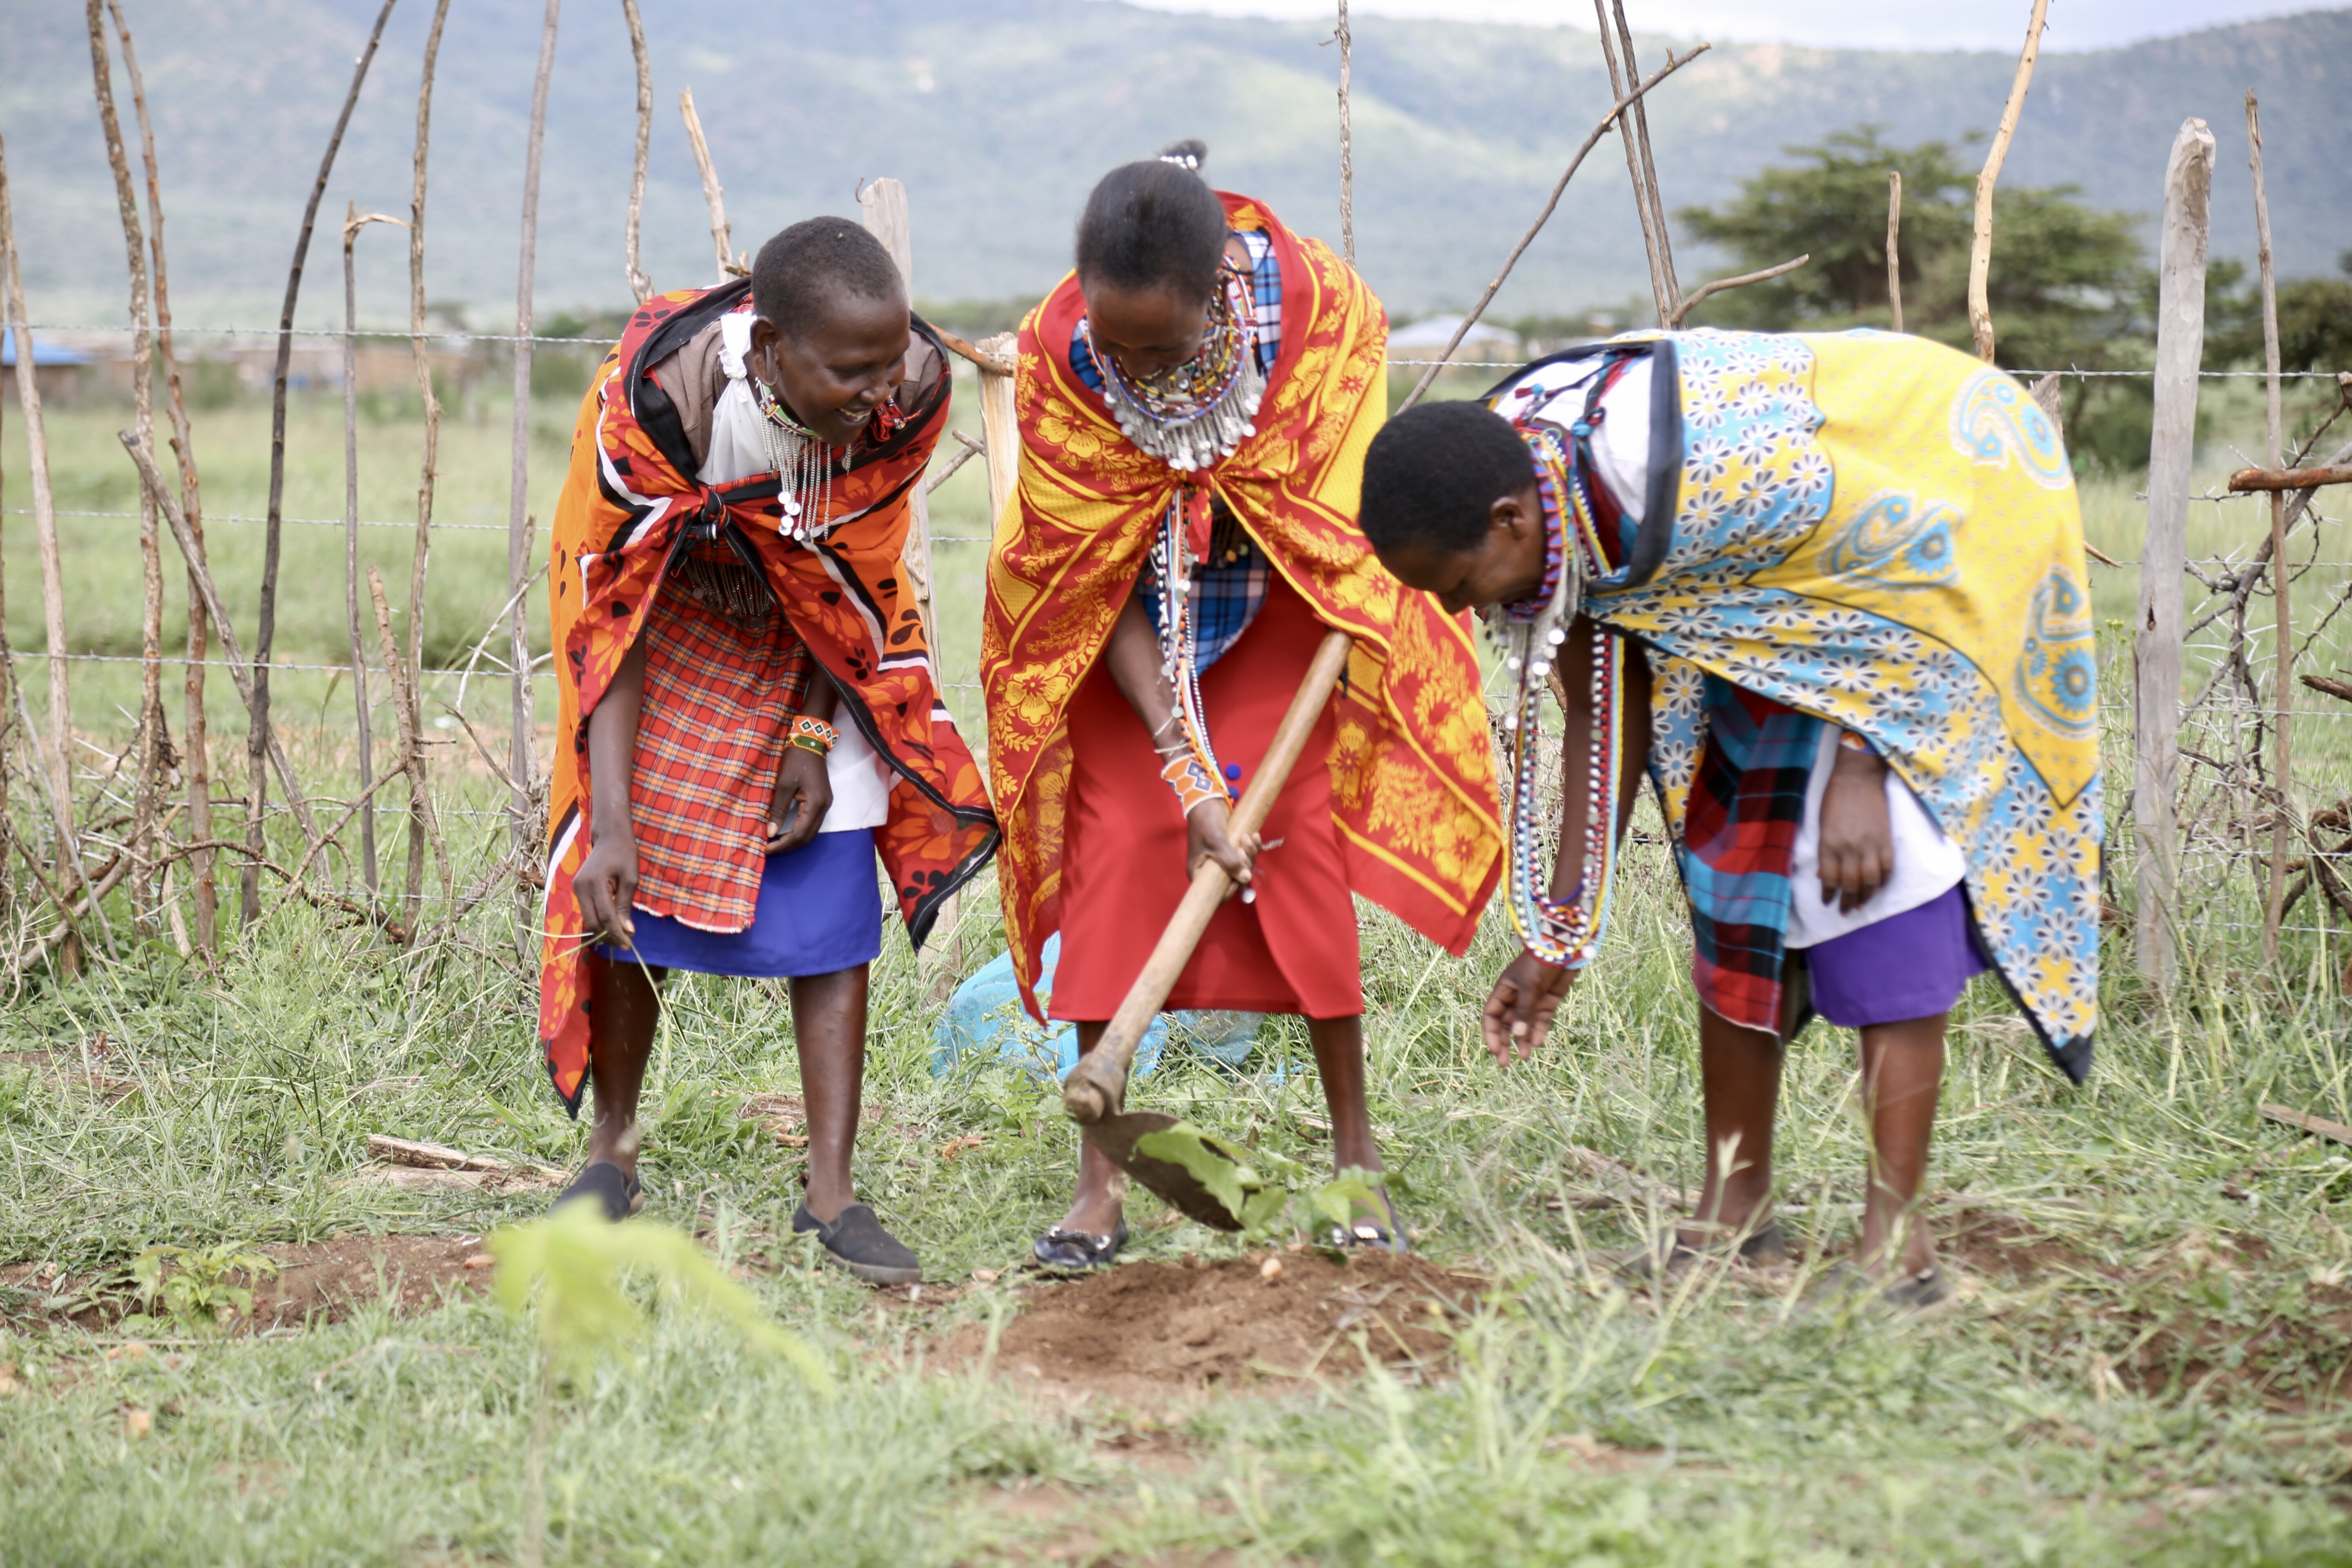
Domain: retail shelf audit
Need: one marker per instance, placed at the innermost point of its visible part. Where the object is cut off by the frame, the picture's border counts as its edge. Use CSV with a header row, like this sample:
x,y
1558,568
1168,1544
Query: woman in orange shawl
x,y
1195,404
749,710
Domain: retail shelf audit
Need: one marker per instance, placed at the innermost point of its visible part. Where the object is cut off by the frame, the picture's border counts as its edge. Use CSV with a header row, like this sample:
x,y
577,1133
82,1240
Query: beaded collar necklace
x,y
1191,416
1564,932
804,463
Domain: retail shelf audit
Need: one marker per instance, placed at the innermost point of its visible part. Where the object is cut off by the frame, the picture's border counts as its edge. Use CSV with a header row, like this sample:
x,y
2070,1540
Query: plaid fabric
x,y
1227,593
720,698
1265,294
1747,802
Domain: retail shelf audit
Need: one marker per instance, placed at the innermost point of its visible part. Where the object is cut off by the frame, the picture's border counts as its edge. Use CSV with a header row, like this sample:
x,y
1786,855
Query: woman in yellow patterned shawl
x,y
1854,564
1194,402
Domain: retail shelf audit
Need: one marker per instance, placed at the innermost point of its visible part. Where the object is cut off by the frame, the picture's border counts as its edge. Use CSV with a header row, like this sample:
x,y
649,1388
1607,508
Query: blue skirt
x,y
820,911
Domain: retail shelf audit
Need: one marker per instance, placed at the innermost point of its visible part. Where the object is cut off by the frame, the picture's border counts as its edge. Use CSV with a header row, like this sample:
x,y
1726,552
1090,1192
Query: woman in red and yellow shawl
x,y
749,710
1195,404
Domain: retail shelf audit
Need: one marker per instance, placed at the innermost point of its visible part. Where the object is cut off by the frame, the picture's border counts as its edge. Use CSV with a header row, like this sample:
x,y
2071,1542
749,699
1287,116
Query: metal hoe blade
x,y
1115,1136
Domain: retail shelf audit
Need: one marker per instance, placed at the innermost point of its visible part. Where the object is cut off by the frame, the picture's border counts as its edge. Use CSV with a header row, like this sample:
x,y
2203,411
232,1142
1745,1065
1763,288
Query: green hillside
x,y
998,114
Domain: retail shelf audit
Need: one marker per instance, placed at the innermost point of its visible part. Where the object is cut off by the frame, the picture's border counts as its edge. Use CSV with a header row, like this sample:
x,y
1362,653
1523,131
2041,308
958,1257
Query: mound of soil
x,y
323,1281
1145,1330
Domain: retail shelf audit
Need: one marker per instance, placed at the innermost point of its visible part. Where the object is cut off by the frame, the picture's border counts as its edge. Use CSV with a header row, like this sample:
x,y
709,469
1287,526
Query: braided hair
x,y
1434,473
1154,224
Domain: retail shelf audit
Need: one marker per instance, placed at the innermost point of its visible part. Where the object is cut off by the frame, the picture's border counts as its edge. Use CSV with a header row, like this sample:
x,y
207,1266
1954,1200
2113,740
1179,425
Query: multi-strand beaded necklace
x,y
1197,412
1564,932
804,465
1191,768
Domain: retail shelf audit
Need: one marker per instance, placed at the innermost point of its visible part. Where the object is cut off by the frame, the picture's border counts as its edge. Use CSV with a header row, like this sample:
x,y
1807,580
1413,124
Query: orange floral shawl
x,y
627,502
1413,777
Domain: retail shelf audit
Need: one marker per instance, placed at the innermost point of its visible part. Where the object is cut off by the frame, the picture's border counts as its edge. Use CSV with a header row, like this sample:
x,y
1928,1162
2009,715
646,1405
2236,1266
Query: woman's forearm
x,y
1135,669
612,745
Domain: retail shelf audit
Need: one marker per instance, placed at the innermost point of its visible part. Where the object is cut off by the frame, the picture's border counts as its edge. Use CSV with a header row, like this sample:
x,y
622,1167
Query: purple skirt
x,y
1911,965
820,911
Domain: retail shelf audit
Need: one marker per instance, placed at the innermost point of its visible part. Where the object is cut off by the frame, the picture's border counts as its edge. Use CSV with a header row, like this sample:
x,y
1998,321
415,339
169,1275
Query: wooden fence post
x,y
2155,658
883,204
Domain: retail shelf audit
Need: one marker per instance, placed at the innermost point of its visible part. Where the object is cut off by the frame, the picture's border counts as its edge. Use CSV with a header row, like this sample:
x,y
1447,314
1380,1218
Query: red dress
x,y
1291,950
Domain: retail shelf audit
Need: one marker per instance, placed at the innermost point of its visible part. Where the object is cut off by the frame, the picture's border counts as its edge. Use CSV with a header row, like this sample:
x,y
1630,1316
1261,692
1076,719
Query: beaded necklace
x,y
1563,932
1171,560
804,463
1193,413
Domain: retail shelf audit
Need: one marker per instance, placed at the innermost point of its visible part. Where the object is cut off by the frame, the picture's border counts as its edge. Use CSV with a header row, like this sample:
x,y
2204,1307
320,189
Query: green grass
x,y
2162,1384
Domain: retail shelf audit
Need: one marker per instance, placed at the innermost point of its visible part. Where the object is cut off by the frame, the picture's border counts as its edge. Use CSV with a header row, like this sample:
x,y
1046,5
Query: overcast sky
x,y
1872,24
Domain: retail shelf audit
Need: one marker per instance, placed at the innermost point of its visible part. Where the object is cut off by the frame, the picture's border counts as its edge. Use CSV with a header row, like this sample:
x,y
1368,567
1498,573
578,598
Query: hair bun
x,y
1188,154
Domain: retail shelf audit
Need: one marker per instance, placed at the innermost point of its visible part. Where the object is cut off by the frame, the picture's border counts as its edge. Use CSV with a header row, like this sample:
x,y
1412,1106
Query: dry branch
x,y
997,361
639,284
1980,247
1346,39
147,778
2303,1122
57,768
354,221
195,752
2246,479
2281,730
1640,165
1707,290
2340,691
519,523
713,196
421,816
1895,248
275,752
1615,110
420,822
260,744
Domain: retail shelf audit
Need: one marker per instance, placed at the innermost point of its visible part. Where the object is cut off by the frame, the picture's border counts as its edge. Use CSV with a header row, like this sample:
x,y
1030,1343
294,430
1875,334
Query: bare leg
x,y
829,1027
1340,1059
1102,1186
1902,1071
1740,1074
623,1009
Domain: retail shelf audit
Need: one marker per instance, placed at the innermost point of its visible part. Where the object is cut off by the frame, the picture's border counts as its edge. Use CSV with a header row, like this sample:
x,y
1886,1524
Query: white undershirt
x,y
860,780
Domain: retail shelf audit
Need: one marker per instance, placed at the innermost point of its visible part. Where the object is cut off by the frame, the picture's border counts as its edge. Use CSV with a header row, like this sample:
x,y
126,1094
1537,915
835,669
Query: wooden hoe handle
x,y
1096,1087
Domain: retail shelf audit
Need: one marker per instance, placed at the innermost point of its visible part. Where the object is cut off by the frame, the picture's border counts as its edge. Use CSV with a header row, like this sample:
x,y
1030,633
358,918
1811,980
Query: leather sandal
x,y
1061,1251
1843,1284
1765,1250
606,1184
855,1240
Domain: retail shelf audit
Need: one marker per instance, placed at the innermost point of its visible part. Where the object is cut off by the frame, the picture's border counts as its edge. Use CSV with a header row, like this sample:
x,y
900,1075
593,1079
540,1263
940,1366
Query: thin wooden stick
x,y
2281,480
274,752
1980,247
412,750
1608,120
713,195
2282,725
639,284
147,779
1632,163
1347,38
421,821
1707,290
57,767
196,742
259,742
524,739
1646,184
354,221
1895,248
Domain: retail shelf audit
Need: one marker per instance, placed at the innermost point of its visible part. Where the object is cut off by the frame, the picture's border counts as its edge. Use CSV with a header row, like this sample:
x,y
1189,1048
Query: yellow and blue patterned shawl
x,y
1883,532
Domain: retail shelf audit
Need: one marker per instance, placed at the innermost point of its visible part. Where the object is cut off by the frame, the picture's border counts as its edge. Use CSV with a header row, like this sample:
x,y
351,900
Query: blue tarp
x,y
984,1019
44,352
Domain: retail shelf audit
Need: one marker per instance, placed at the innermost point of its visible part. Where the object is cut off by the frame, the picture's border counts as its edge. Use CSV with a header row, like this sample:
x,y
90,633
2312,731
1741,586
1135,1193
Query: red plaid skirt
x,y
720,698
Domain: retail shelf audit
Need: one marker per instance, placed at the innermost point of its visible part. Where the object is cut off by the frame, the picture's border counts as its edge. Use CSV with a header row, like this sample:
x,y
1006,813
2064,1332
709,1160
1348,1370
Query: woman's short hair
x,y
801,270
1154,224
1434,473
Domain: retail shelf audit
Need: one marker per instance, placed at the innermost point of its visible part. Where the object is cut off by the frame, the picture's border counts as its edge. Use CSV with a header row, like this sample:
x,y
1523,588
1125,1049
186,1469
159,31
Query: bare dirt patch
x,y
321,1281
1147,1332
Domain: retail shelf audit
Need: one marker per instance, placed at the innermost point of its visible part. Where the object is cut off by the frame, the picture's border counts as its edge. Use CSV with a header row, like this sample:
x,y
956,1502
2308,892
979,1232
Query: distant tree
x,y
2069,289
2315,317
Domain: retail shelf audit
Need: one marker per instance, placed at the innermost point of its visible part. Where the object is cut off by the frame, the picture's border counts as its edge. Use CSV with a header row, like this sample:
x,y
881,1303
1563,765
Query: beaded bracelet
x,y
1849,742
1194,783
813,735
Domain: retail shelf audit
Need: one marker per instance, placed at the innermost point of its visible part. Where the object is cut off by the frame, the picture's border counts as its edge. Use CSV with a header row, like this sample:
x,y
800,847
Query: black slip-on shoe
x,y
1077,1251
1765,1250
605,1183
855,1240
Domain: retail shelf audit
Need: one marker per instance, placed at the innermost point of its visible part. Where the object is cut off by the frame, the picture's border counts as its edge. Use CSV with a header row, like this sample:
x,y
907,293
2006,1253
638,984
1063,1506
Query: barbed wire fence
x,y
81,815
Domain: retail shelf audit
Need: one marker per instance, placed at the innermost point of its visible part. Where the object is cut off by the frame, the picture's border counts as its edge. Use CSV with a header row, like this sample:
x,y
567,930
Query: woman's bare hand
x,y
804,795
1207,836
606,887
1857,841
1519,1010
